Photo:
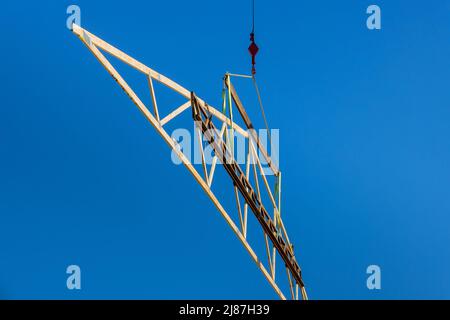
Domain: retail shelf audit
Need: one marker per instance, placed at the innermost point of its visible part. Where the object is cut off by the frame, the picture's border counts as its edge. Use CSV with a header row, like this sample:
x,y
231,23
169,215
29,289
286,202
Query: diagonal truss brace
x,y
273,229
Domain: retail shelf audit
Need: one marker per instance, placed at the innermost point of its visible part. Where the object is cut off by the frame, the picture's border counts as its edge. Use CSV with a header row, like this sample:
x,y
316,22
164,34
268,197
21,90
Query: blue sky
x,y
364,126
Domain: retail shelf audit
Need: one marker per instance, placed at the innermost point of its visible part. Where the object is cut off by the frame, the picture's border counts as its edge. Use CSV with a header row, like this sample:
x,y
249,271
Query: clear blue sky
x,y
365,150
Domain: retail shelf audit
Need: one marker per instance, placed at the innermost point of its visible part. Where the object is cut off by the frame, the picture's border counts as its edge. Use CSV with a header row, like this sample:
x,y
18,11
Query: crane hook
x,y
253,49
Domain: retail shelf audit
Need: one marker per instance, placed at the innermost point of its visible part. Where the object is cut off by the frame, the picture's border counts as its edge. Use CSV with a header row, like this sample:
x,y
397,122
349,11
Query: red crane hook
x,y
253,49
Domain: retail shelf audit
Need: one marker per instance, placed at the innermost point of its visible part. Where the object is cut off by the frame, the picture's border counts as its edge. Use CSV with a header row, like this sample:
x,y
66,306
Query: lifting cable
x,y
262,109
253,49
